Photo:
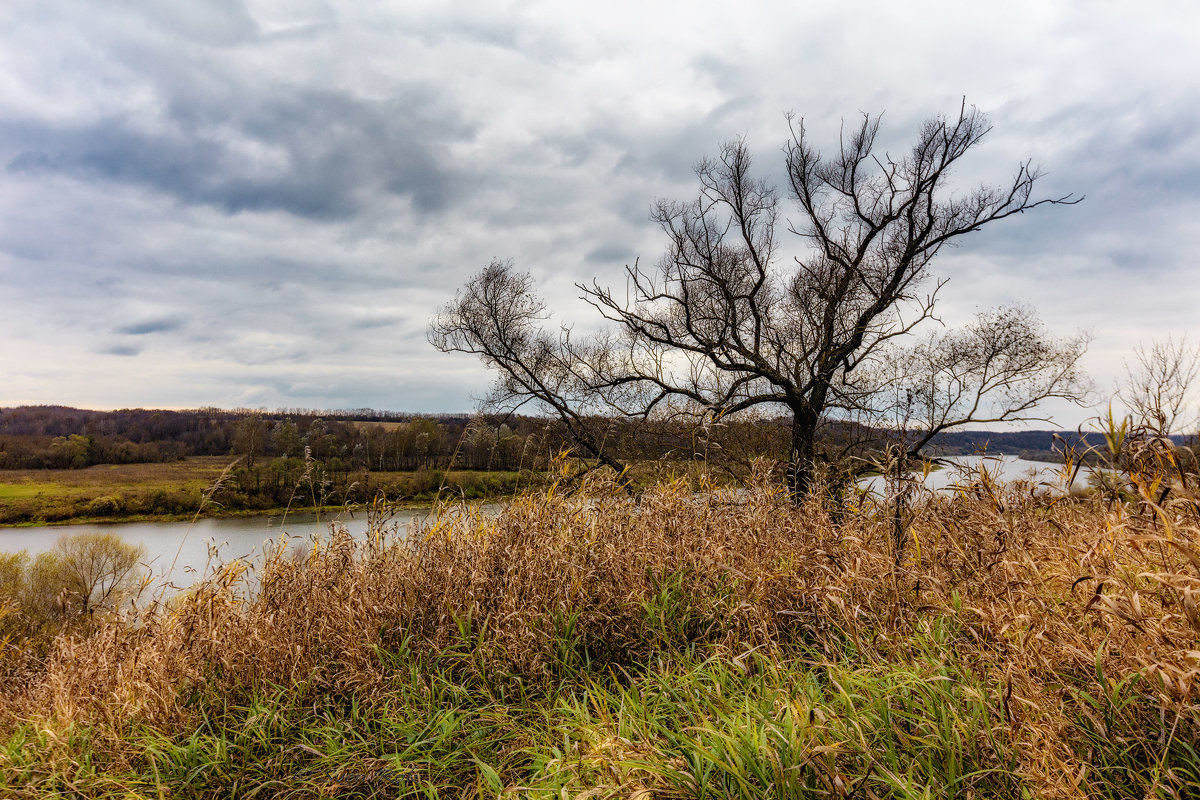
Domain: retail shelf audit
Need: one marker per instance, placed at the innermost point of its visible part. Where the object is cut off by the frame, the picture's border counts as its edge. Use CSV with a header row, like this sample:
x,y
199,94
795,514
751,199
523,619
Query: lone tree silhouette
x,y
727,322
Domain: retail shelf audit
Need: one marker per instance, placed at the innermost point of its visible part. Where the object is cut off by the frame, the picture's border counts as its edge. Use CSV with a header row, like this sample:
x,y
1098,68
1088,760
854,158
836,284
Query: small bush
x,y
83,577
106,506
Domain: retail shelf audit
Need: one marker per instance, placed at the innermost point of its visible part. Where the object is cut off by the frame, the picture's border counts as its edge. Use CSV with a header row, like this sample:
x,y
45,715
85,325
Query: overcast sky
x,y
258,203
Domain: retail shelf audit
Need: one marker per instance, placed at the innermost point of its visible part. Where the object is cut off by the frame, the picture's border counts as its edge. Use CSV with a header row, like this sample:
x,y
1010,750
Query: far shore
x,y
202,487
217,513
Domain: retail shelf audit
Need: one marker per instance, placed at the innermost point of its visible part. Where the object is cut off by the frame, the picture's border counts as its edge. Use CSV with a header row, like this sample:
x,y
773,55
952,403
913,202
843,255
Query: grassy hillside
x,y
715,645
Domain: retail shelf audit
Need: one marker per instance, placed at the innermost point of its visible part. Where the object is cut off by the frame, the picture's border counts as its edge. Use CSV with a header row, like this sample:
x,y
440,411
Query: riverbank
x,y
209,487
717,645
329,511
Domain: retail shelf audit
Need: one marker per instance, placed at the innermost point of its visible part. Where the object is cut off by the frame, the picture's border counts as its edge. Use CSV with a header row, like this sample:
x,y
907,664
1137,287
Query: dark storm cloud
x,y
305,152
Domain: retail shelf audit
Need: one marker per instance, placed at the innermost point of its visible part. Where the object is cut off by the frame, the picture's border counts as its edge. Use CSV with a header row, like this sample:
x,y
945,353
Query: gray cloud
x,y
372,323
219,22
121,350
611,253
313,154
150,326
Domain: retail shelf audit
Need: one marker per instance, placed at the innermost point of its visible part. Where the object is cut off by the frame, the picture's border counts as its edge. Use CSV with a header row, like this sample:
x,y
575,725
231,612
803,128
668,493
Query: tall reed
x,y
689,645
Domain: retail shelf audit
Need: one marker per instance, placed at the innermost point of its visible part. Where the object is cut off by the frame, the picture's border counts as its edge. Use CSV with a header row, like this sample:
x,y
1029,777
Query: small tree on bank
x,y
726,323
87,573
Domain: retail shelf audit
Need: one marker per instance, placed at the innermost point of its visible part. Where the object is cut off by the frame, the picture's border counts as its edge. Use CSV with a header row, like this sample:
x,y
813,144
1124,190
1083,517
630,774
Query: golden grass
x,y
1078,621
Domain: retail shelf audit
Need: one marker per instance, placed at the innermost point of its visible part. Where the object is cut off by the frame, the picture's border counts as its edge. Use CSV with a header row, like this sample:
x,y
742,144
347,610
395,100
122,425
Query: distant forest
x,y
57,437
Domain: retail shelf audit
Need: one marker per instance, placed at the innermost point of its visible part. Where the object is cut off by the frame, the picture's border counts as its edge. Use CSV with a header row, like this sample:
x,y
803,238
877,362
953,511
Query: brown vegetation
x,y
1074,624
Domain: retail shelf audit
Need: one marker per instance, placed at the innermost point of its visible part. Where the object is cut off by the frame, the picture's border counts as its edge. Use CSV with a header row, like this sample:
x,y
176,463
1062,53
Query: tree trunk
x,y
899,508
802,454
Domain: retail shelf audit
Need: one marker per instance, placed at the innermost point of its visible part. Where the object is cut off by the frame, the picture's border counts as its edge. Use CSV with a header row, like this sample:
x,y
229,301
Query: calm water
x,y
179,552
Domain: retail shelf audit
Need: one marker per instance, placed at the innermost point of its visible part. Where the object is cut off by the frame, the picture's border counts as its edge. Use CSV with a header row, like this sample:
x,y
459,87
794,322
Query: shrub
x,y
106,506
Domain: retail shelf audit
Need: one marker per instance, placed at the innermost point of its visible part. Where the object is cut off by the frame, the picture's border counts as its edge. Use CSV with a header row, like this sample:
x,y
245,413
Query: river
x,y
1005,468
178,553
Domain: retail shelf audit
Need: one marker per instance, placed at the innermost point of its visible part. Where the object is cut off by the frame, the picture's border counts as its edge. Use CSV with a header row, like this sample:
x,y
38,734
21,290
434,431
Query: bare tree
x,y
1158,388
1140,456
249,438
726,323
1002,367
498,316
999,368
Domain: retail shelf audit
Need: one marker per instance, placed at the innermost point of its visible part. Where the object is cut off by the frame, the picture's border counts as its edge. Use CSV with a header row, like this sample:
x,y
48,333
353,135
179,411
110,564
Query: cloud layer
x,y
261,203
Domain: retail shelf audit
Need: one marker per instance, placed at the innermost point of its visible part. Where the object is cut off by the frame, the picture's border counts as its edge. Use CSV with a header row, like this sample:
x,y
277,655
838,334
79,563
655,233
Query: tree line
x,y
56,437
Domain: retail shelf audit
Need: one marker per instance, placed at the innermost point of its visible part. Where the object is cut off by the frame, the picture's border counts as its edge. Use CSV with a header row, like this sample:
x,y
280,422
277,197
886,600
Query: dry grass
x,y
1065,632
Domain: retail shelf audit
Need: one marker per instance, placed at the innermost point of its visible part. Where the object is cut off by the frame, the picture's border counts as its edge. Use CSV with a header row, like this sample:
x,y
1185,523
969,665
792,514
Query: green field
x,y
180,489
15,491
32,496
